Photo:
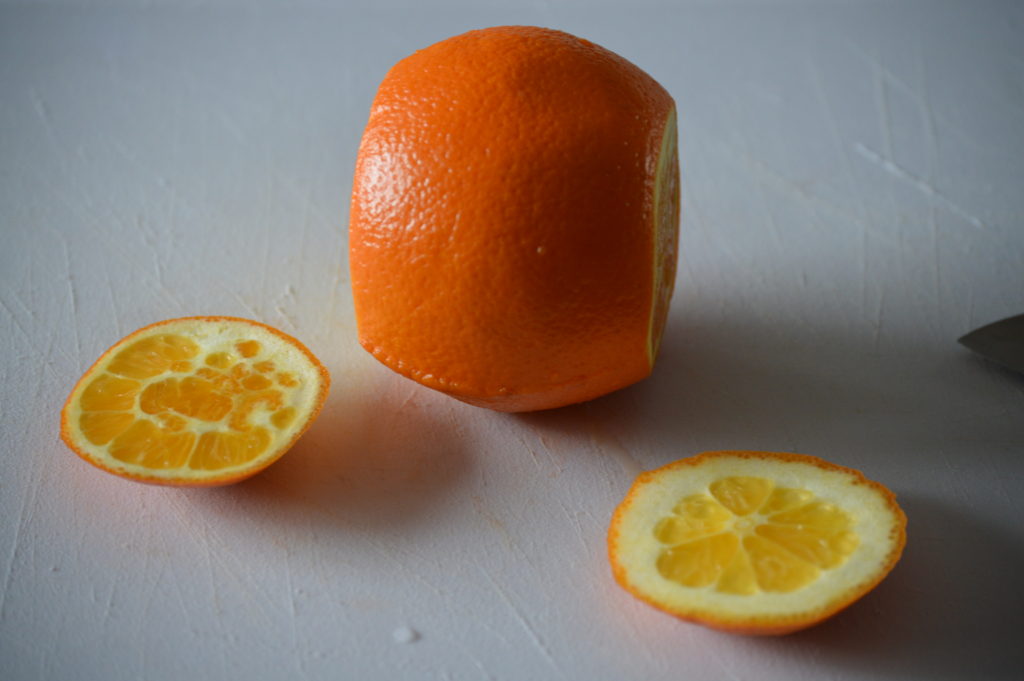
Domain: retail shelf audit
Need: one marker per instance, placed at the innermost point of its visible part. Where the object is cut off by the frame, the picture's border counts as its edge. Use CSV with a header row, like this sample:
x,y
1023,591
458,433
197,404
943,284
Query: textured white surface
x,y
852,201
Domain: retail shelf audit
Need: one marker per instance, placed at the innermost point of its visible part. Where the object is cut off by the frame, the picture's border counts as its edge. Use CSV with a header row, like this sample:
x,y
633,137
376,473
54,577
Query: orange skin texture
x,y
501,218
765,626
213,481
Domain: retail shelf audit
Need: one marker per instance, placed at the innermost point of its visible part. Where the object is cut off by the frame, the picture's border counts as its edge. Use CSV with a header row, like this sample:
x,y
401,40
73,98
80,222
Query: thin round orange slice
x,y
754,542
195,401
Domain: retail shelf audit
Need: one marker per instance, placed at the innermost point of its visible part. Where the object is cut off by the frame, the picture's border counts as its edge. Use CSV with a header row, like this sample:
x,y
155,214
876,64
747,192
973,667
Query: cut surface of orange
x,y
514,219
194,401
754,542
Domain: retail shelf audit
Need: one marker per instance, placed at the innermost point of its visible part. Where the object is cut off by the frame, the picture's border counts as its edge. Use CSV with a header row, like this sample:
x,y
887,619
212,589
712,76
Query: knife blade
x,y
1002,342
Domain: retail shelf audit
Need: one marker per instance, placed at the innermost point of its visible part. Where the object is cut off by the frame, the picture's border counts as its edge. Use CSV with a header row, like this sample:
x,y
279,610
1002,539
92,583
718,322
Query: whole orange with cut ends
x,y
194,401
514,219
754,542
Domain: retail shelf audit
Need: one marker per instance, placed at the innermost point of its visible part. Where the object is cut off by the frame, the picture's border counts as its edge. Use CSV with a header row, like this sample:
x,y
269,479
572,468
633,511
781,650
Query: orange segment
x,y
775,568
100,427
109,393
817,546
715,539
741,495
783,499
282,418
220,360
221,450
514,220
693,517
699,562
181,402
152,355
816,514
146,444
256,382
738,577
248,349
193,397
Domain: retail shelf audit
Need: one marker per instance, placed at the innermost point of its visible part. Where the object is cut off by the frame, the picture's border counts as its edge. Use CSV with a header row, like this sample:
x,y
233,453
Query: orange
x,y
514,219
194,401
754,542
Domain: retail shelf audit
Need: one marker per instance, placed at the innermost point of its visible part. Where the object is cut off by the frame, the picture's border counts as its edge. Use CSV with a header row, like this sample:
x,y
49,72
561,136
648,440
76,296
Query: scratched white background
x,y
853,201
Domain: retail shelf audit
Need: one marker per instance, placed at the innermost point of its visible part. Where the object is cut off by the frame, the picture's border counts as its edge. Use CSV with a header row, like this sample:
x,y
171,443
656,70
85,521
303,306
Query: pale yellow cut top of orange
x,y
196,401
754,542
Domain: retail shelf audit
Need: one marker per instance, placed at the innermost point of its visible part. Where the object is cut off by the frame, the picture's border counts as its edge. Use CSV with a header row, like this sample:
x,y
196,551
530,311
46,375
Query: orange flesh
x,y
745,536
144,418
666,234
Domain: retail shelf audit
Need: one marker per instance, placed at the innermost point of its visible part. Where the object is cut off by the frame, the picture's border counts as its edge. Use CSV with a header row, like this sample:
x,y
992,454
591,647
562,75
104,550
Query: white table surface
x,y
853,201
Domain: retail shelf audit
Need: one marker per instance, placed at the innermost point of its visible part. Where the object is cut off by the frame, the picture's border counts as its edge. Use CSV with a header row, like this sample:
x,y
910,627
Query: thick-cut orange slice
x,y
754,542
195,401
